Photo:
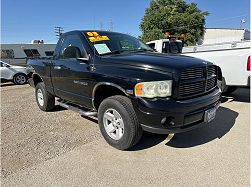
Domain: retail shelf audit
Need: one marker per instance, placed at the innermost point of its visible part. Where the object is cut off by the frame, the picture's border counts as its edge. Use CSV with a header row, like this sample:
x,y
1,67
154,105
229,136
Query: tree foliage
x,y
174,16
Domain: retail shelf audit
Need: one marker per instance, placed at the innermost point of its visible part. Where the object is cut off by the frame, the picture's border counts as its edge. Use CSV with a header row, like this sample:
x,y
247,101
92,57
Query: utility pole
x,y
101,26
111,25
59,31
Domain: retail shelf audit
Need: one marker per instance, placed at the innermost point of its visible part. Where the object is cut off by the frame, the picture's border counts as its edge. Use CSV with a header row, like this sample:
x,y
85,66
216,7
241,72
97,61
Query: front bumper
x,y
180,115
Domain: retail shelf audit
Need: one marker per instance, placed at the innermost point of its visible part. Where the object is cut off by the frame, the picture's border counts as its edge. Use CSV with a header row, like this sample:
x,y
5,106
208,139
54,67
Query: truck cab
x,y
170,46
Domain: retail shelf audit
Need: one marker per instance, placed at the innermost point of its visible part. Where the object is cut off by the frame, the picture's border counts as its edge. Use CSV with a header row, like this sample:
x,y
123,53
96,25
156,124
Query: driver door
x,y
71,77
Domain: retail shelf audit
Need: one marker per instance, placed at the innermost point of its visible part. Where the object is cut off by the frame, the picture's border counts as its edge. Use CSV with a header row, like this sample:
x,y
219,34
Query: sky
x,y
26,20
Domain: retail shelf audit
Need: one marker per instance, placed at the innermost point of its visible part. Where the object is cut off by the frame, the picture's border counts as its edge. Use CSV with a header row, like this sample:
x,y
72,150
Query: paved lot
x,y
61,148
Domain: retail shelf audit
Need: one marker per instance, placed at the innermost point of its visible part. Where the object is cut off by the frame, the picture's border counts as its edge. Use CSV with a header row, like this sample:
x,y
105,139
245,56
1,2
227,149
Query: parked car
x,y
16,74
233,58
128,86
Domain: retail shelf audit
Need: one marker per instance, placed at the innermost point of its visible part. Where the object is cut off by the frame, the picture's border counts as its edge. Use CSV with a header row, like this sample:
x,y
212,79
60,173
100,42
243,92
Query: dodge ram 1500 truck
x,y
126,85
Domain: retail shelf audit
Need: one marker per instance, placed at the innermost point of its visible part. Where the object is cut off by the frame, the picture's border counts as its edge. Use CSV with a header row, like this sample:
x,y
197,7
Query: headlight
x,y
153,89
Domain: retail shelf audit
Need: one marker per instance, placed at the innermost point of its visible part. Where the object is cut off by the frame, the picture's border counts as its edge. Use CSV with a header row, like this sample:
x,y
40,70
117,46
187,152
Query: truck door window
x,y
172,47
73,40
128,44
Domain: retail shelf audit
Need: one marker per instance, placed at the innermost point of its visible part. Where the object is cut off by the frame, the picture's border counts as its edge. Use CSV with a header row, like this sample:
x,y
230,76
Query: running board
x,y
77,109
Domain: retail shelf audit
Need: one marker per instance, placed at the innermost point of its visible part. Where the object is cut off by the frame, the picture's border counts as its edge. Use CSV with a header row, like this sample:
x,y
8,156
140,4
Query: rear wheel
x,y
20,79
45,100
118,122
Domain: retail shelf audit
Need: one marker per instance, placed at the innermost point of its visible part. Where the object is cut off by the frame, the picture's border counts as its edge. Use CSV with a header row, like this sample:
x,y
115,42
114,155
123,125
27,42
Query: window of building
x,y
7,54
31,52
49,53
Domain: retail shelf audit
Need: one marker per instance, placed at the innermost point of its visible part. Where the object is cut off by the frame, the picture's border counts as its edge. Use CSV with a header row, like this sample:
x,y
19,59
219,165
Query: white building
x,y
222,35
18,53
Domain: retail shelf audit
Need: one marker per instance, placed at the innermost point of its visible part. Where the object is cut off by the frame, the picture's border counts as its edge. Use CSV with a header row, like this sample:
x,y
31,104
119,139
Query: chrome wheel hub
x,y
40,97
113,123
20,79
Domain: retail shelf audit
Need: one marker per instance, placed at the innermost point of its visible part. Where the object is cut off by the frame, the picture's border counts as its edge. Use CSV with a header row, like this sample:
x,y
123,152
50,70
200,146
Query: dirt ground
x,y
61,148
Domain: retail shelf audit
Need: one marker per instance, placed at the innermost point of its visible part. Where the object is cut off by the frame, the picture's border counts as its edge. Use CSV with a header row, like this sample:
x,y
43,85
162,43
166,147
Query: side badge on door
x,y
81,83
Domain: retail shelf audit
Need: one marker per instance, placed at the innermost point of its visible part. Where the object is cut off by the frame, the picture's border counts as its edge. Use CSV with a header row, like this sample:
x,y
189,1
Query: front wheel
x,y
45,100
118,122
20,79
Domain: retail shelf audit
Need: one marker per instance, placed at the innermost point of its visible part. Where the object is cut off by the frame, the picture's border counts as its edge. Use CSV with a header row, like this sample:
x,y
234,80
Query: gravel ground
x,y
30,136
61,148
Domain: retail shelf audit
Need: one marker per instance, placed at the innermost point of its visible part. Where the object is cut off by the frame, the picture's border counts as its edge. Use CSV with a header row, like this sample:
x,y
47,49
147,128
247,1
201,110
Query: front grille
x,y
194,88
211,70
197,81
192,73
211,83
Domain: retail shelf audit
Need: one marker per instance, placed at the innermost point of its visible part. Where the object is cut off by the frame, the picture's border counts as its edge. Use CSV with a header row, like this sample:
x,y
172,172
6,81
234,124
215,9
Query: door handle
x,y
57,67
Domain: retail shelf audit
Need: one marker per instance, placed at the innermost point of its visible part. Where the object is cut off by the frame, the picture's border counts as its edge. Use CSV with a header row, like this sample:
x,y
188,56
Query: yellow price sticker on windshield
x,y
95,37
93,34
98,38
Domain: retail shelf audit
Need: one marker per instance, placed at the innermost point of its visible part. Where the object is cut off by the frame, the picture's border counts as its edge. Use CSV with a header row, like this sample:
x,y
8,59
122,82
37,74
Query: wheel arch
x,y
104,90
36,79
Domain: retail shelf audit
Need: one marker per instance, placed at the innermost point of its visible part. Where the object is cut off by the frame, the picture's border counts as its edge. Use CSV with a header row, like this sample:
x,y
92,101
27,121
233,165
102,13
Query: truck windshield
x,y
114,43
172,47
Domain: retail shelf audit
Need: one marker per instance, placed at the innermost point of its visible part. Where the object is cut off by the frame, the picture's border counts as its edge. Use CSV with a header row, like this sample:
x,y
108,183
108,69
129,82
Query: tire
x,y
20,79
127,132
229,90
45,100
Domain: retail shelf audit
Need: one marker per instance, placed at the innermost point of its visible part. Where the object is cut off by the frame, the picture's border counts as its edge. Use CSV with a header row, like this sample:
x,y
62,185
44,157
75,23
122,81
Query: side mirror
x,y
72,52
84,59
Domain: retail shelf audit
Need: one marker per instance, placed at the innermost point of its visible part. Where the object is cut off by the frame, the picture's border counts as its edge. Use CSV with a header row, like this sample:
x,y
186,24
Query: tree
x,y
174,16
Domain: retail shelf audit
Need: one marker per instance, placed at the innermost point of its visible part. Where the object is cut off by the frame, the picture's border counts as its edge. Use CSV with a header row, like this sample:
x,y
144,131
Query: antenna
x,y
59,31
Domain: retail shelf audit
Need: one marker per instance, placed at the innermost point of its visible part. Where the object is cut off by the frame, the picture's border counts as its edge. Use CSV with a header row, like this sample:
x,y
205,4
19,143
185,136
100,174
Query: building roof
x,y
228,28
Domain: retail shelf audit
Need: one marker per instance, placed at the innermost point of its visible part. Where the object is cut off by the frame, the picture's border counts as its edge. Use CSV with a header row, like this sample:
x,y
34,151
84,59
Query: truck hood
x,y
156,61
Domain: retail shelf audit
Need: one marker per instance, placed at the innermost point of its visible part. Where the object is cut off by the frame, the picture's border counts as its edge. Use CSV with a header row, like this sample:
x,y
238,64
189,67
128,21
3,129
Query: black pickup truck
x,y
125,84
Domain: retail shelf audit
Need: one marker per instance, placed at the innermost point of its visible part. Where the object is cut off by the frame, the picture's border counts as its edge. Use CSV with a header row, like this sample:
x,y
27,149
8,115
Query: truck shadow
x,y
58,108
224,121
149,140
8,84
240,95
5,84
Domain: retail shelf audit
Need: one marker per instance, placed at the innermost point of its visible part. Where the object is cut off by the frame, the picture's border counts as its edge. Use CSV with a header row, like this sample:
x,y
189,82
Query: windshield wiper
x,y
119,51
142,49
